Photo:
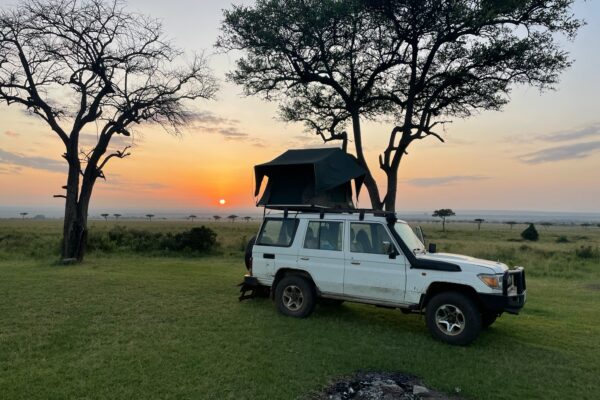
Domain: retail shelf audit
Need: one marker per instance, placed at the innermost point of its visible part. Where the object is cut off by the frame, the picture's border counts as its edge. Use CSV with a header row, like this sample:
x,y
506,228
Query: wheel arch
x,y
436,288
282,272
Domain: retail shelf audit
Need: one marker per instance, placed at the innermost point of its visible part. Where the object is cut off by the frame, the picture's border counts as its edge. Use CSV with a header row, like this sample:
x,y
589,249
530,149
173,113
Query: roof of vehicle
x,y
354,215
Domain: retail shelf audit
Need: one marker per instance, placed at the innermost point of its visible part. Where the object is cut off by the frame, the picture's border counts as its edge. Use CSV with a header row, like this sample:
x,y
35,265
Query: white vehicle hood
x,y
465,261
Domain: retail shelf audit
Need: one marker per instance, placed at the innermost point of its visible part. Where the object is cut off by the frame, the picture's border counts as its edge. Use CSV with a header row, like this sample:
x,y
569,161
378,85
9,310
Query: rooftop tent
x,y
310,177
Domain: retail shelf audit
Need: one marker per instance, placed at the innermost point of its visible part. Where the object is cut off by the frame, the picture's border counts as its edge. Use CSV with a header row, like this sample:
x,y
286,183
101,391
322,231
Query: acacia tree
x,y
443,213
81,63
418,63
105,216
479,221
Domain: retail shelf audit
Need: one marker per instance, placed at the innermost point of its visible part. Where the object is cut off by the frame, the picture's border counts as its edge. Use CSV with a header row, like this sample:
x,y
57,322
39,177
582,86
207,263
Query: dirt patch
x,y
380,386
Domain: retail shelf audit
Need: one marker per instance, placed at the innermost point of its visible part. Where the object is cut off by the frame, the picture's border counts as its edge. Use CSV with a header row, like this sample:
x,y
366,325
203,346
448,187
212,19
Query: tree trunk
x,y
76,213
74,227
443,224
370,183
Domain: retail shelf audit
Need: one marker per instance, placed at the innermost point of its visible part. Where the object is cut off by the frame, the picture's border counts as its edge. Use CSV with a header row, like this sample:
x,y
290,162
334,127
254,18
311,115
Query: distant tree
x,y
479,221
335,63
192,217
511,223
546,225
216,217
150,216
586,225
443,213
247,219
75,64
530,233
105,216
232,217
117,216
23,215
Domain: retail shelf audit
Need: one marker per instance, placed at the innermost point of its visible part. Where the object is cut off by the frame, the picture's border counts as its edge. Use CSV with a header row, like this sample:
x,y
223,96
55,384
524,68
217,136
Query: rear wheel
x,y
453,318
295,296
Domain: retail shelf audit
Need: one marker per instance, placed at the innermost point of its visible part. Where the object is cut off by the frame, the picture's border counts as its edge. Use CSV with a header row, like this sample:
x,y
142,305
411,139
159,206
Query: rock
x,y
420,389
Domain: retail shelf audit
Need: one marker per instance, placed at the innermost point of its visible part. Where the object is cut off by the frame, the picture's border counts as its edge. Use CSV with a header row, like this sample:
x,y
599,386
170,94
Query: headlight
x,y
493,281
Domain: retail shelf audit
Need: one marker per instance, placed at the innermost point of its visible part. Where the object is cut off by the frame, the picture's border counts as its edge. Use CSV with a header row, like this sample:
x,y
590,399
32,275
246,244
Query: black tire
x,y
295,296
487,319
248,253
453,318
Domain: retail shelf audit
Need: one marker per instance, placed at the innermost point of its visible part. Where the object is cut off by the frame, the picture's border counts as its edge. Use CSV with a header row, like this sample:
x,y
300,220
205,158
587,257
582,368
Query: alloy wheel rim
x,y
450,319
293,298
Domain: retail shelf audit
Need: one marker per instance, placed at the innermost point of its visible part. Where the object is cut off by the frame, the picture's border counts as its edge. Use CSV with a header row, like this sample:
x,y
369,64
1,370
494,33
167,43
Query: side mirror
x,y
432,248
388,248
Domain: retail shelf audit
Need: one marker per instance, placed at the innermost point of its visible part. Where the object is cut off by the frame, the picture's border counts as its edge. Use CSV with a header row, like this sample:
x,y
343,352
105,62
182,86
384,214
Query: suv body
x,y
374,258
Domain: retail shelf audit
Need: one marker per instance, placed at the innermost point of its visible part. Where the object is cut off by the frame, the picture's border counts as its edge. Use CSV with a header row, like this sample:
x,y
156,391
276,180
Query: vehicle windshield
x,y
409,237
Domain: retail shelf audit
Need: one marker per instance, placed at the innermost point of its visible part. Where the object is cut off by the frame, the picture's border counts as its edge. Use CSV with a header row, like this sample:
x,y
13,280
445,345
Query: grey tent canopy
x,y
310,177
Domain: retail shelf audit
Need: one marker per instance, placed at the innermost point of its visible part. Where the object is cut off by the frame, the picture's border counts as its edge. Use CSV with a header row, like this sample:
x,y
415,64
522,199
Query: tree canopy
x,y
414,63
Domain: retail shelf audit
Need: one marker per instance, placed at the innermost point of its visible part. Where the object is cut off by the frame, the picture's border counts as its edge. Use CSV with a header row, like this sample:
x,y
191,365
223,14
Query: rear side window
x,y
277,232
324,236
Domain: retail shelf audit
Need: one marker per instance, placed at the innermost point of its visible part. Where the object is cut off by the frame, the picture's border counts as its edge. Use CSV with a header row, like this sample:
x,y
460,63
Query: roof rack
x,y
389,215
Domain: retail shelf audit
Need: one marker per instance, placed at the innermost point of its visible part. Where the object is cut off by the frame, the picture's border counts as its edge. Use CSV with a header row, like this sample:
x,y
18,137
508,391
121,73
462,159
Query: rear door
x,y
322,254
274,247
370,273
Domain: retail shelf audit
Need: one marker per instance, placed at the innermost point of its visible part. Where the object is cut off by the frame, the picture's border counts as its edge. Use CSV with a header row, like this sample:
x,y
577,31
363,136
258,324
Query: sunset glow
x,y
541,153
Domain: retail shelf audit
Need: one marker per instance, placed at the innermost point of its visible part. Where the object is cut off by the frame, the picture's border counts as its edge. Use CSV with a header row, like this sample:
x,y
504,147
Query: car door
x,y
322,255
370,273
274,247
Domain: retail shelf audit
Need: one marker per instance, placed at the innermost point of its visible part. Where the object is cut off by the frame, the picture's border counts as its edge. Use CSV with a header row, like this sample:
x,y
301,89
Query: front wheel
x,y
453,318
295,296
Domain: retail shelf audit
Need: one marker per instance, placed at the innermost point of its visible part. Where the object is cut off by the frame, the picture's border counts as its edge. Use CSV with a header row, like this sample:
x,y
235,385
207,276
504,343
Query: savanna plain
x,y
135,323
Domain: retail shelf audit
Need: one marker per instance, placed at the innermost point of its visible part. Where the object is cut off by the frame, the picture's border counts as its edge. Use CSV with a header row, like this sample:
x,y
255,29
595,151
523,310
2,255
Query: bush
x,y
586,252
562,239
197,240
530,233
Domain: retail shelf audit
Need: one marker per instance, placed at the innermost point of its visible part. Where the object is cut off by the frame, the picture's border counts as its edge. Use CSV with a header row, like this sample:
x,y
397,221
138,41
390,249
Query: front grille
x,y
514,282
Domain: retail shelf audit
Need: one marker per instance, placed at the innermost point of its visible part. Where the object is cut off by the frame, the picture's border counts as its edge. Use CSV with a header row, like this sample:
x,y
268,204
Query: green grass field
x,y
170,327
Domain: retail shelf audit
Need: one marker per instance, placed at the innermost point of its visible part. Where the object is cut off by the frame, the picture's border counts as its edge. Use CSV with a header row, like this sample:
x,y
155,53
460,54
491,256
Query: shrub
x,y
119,238
562,239
530,233
586,252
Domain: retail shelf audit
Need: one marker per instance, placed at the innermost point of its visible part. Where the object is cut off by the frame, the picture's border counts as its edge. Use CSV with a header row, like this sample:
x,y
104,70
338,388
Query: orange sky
x,y
541,153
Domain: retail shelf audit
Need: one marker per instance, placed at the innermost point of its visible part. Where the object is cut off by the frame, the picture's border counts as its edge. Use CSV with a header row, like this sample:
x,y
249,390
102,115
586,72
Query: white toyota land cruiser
x,y
372,257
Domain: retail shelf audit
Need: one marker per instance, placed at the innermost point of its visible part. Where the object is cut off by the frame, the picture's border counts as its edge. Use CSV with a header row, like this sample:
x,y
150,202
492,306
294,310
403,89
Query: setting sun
x,y
222,202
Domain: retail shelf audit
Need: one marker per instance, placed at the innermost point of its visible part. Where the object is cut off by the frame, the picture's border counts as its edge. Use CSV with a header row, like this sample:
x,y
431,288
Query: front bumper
x,y
514,293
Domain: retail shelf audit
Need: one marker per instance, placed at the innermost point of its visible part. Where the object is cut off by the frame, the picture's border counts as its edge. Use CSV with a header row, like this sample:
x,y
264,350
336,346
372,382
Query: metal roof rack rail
x,y
390,215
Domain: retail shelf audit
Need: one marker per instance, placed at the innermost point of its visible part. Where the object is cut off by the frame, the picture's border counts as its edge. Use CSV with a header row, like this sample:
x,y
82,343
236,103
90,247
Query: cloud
x,y
207,117
208,122
560,153
11,133
16,159
91,139
445,180
115,183
590,130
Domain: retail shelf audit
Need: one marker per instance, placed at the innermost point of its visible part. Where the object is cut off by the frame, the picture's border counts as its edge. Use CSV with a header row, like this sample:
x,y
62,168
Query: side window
x,y
369,238
277,232
322,235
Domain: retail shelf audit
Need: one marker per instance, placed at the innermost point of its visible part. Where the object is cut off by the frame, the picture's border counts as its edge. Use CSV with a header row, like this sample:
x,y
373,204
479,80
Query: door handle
x,y
355,262
269,256
304,258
